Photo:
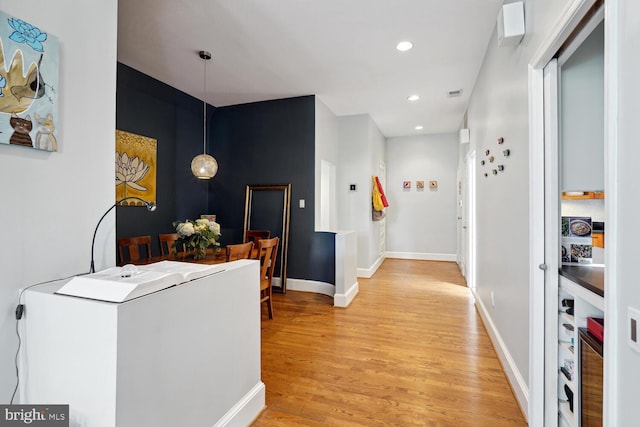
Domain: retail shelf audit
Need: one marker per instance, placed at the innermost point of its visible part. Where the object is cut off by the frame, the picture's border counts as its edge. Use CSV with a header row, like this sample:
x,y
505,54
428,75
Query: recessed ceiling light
x,y
413,98
418,127
404,46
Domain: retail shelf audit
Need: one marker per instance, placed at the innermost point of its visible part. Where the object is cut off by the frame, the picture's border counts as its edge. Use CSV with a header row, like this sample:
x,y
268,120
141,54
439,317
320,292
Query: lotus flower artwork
x,y
135,167
130,171
23,32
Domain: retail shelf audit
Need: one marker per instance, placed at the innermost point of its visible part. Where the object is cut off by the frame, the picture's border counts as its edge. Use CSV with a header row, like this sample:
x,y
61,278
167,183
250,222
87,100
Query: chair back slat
x,y
239,251
167,241
132,244
268,252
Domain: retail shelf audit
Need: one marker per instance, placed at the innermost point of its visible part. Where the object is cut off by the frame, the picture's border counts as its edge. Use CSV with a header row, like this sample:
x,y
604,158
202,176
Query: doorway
x,y
545,156
468,222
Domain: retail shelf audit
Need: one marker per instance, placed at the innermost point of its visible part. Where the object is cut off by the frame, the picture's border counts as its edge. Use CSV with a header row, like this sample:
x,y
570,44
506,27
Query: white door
x,y
551,238
469,220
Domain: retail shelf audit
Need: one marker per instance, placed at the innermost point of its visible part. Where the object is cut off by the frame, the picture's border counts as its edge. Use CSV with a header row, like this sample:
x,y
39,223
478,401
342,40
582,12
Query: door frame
x,y
538,341
469,220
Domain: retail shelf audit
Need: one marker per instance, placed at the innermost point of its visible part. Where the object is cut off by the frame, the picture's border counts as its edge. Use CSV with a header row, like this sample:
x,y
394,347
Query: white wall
x,y
582,112
326,149
626,203
52,201
378,154
421,224
499,108
361,150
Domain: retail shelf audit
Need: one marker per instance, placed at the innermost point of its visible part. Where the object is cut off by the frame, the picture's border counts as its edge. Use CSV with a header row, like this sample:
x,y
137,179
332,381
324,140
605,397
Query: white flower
x,y
185,229
215,227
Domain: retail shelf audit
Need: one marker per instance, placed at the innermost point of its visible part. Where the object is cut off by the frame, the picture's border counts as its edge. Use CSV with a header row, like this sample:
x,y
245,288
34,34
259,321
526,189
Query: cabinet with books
x,y
575,305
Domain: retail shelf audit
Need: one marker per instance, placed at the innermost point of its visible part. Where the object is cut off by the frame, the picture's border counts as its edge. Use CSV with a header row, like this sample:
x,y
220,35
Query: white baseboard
x,y
423,256
246,410
343,300
518,384
368,272
311,286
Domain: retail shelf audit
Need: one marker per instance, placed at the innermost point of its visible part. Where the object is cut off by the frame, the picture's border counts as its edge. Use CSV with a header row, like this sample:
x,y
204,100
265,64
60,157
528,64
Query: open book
x,y
119,284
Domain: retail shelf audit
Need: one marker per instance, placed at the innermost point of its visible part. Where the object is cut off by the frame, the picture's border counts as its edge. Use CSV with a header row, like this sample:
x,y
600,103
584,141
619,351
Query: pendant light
x,y
203,165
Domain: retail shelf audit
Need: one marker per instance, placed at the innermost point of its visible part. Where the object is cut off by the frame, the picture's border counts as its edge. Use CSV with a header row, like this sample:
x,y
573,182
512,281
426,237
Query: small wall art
x,y
419,185
406,185
489,158
135,167
28,85
433,184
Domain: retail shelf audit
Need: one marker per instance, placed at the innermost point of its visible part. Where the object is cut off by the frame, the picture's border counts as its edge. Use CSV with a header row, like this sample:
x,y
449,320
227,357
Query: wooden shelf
x,y
575,195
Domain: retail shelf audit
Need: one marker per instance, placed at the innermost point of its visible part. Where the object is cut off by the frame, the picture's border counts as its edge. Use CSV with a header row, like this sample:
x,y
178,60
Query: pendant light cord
x,y
204,108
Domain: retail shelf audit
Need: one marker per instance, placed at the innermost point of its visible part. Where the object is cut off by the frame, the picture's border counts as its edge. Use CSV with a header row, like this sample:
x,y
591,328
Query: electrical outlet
x,y
634,319
302,204
493,300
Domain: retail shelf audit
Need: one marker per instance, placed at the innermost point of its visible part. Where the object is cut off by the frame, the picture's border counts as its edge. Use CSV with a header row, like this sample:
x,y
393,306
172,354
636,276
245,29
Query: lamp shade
x,y
204,166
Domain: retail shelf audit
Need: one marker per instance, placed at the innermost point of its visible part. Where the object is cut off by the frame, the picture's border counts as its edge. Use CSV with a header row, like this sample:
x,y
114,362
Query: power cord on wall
x,y
19,313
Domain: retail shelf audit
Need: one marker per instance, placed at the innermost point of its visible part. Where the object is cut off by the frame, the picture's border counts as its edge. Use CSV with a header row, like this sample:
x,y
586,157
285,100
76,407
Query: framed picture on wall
x,y
28,85
135,167
406,185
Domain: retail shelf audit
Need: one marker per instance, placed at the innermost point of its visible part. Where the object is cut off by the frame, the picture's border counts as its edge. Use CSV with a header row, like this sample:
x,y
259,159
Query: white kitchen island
x,y
188,355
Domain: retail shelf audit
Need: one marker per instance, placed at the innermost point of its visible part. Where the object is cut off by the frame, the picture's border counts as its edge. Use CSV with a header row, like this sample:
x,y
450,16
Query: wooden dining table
x,y
216,256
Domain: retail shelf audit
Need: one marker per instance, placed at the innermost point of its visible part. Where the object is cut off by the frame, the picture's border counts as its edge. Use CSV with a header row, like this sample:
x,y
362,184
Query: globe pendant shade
x,y
204,166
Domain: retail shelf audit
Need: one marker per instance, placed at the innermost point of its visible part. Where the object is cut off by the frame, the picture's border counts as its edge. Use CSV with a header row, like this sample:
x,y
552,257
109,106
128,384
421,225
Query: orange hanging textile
x,y
385,203
378,204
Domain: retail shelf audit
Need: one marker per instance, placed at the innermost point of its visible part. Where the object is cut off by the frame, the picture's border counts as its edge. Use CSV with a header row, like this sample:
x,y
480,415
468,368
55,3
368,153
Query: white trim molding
x,y
310,286
243,412
343,300
422,256
368,272
518,384
346,268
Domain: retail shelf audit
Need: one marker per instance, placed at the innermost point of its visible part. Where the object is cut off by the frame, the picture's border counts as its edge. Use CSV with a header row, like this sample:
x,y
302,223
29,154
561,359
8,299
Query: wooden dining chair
x,y
167,241
254,236
268,252
133,246
239,251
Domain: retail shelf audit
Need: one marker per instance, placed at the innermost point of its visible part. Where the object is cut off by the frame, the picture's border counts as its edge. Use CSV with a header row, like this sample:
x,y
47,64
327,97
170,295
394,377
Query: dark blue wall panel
x,y
271,142
148,107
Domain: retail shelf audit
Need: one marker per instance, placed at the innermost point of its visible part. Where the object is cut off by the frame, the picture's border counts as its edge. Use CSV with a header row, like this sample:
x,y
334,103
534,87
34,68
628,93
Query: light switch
x,y
301,203
634,318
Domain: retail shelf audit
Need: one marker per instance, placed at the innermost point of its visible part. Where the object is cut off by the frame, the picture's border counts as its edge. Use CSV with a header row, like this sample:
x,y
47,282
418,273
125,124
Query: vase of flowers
x,y
197,236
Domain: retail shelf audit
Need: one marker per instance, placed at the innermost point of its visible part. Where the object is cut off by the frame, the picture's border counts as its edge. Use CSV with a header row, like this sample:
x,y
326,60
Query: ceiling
x,y
343,51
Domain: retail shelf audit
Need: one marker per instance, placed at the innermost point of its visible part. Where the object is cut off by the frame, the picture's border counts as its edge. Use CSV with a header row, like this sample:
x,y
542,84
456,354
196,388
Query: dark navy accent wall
x,y
271,142
148,107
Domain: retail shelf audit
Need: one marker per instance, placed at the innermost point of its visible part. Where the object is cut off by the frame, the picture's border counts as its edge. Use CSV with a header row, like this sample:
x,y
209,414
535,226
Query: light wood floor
x,y
410,350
